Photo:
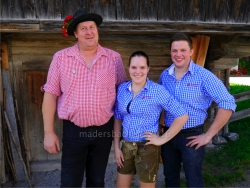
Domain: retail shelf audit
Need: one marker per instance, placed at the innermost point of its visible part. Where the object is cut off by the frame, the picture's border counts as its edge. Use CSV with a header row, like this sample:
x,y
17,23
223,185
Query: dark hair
x,y
139,53
181,36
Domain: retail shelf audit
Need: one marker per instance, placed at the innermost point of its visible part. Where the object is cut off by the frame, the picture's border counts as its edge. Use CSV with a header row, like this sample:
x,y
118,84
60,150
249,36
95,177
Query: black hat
x,y
81,16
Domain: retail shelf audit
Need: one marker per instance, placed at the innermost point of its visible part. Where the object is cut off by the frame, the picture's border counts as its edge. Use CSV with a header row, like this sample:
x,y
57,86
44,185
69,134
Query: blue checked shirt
x,y
143,112
195,91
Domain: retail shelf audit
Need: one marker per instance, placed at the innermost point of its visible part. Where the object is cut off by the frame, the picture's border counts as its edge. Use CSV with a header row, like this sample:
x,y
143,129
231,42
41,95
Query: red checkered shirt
x,y
86,95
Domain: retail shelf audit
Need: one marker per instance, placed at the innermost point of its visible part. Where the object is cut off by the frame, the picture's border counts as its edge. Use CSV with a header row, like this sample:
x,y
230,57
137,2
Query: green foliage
x,y
244,65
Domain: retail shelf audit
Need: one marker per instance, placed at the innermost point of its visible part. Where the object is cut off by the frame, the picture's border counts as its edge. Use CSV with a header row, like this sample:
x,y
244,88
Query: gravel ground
x,y
52,179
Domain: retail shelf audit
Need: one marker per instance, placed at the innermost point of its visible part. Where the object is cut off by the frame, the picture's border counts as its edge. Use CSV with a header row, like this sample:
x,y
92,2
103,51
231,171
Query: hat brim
x,y
86,17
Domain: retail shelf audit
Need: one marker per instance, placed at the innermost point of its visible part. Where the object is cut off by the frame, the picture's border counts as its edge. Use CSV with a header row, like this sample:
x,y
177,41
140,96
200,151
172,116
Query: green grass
x,y
228,165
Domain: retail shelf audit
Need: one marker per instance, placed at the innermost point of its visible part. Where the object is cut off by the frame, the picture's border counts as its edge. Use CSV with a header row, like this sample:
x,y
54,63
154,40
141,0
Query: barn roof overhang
x,y
221,34
132,27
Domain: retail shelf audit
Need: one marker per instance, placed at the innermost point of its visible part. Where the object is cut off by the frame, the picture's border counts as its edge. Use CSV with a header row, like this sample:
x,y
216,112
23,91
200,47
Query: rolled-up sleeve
x,y
219,93
52,84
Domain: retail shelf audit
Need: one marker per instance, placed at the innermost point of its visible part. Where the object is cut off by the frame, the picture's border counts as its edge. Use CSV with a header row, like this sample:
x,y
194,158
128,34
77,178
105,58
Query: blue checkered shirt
x,y
142,113
195,91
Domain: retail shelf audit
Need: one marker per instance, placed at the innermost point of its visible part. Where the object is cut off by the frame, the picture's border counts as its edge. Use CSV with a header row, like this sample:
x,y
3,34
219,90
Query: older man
x,y
81,85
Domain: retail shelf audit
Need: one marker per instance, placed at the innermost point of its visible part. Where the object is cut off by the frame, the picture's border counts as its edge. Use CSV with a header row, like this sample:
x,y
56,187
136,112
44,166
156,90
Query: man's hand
x,y
199,141
51,143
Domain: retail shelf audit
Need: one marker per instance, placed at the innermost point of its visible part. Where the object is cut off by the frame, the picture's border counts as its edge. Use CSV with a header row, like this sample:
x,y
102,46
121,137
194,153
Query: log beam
x,y
128,26
218,47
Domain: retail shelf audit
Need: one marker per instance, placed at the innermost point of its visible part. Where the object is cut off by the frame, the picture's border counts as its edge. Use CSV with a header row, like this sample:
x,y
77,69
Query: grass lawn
x,y
228,165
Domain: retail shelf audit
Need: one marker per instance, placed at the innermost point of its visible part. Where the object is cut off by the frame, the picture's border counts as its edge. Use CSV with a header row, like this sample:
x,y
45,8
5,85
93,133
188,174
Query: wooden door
x,y
28,79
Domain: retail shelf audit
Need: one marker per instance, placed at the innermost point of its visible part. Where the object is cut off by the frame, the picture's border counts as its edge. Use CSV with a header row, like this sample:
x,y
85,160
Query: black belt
x,y
189,130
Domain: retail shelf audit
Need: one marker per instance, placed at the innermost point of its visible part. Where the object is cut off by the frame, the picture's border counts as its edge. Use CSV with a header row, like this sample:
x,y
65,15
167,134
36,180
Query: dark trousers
x,y
85,150
176,152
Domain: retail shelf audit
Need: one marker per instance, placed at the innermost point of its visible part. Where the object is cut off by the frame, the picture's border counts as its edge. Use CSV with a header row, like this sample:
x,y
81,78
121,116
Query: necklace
x,y
135,93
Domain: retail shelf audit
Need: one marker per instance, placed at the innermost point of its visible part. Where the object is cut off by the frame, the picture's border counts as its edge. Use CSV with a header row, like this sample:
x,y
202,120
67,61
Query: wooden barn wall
x,y
30,56
230,11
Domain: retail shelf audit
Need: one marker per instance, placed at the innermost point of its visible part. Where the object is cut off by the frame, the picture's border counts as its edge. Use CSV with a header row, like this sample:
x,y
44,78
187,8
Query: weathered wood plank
x,y
211,11
10,112
31,58
70,7
132,26
129,9
242,41
148,10
240,11
5,9
163,15
19,152
41,51
196,8
29,9
225,63
118,10
19,107
240,115
2,158
223,11
218,47
179,14
44,44
35,65
15,8
48,9
242,96
34,80
12,27
106,8
238,51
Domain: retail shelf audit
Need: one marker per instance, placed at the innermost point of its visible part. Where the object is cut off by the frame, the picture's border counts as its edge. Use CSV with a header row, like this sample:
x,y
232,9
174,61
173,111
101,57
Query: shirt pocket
x,y
106,78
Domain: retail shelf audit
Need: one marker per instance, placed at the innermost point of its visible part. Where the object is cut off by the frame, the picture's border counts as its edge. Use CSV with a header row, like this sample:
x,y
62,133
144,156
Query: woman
x,y
137,112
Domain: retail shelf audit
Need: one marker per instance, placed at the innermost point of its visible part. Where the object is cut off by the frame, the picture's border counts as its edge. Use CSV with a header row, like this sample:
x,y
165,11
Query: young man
x,y
81,85
195,88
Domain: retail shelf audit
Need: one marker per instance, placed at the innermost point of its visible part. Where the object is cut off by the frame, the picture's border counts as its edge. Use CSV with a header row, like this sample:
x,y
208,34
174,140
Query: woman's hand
x,y
119,158
153,139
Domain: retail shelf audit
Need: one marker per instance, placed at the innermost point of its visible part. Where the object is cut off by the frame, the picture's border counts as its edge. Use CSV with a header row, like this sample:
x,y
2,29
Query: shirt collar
x,y
74,51
190,68
147,85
